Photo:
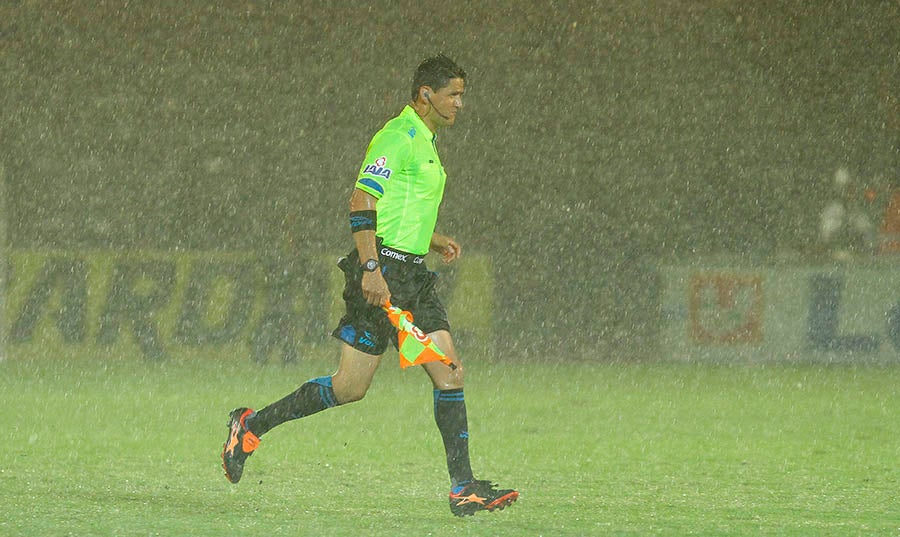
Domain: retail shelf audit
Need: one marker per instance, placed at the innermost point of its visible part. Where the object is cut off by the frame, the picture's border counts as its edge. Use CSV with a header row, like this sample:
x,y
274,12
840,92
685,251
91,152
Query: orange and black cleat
x,y
240,444
480,495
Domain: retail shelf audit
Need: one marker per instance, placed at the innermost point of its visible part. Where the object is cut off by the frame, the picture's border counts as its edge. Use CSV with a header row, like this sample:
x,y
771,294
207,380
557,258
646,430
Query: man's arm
x,y
374,287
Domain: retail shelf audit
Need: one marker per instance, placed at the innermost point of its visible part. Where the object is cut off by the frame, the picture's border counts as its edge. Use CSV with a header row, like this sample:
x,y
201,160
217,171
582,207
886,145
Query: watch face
x,y
371,265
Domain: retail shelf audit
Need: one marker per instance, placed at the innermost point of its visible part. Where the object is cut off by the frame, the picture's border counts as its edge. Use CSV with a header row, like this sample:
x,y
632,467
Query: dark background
x,y
598,141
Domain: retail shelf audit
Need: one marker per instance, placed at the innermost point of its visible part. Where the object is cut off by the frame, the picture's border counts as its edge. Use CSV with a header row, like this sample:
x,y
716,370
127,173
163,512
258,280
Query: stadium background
x,y
600,140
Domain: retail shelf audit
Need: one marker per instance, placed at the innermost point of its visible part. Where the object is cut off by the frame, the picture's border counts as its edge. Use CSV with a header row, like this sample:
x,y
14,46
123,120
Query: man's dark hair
x,y
436,73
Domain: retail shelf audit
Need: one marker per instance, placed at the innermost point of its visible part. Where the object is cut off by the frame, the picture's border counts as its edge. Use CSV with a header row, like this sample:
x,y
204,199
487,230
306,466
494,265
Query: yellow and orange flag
x,y
414,345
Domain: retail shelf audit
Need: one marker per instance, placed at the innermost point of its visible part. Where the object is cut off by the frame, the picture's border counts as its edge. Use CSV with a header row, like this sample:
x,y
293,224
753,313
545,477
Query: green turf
x,y
114,447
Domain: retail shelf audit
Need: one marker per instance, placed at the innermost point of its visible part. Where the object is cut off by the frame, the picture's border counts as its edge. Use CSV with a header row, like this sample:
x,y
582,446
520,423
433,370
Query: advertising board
x,y
785,313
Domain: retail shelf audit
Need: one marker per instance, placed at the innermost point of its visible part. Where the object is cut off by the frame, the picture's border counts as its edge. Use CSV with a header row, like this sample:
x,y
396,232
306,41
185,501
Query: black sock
x,y
313,396
450,416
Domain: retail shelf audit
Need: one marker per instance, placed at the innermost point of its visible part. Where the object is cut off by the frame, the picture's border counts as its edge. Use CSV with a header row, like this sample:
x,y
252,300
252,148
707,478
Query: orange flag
x,y
414,345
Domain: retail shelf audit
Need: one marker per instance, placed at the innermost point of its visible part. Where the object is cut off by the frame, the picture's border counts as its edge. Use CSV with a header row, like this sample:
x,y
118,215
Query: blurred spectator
x,y
846,223
889,242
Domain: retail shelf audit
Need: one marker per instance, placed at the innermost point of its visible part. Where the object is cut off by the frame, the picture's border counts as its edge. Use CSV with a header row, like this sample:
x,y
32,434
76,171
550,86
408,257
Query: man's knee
x,y
354,374
445,378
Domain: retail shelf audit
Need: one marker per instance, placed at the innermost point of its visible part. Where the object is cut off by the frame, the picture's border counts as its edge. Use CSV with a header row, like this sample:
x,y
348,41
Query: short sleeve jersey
x,y
403,172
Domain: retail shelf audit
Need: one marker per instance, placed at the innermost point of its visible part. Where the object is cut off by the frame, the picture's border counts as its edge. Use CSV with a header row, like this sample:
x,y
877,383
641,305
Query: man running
x,y
393,212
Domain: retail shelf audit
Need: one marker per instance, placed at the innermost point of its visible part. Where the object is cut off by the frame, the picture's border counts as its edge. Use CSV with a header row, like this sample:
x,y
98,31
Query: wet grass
x,y
112,447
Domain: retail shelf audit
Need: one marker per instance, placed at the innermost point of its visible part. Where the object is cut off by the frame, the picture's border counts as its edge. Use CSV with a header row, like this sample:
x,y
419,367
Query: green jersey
x,y
403,172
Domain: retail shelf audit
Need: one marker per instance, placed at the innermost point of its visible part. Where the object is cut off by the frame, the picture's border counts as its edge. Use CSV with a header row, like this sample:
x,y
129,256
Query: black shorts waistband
x,y
392,254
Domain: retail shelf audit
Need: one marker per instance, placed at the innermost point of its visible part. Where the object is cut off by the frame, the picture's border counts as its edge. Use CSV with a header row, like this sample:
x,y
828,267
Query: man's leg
x,y
450,409
350,383
467,494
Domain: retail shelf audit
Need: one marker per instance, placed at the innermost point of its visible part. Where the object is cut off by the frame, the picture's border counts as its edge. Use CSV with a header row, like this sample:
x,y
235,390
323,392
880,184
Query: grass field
x,y
129,448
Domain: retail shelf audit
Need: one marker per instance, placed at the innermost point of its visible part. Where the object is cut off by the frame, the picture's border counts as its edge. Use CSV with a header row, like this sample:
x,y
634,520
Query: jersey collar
x,y
412,116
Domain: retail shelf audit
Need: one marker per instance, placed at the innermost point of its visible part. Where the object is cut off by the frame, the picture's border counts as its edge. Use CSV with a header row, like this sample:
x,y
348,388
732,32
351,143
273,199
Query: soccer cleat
x,y
480,495
240,444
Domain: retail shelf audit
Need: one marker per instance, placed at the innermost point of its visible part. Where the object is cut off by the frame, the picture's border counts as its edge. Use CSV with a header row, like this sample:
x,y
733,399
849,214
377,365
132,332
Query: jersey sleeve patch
x,y
371,186
387,154
379,168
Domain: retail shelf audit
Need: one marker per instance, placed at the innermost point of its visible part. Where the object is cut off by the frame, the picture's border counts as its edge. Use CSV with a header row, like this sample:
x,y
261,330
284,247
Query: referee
x,y
393,211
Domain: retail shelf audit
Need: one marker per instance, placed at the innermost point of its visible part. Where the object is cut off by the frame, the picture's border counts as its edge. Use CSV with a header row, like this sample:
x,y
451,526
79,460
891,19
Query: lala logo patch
x,y
379,168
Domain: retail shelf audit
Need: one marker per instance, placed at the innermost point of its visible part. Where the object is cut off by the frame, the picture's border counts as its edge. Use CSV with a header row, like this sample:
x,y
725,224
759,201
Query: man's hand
x,y
447,248
375,289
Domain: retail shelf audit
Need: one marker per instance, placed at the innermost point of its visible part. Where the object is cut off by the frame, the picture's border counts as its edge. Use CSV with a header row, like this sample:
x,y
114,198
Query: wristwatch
x,y
370,265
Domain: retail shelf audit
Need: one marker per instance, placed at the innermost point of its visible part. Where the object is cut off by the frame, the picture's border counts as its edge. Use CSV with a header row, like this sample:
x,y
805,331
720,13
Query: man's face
x,y
448,101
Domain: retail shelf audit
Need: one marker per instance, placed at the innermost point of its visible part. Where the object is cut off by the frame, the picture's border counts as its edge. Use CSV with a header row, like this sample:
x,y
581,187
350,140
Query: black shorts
x,y
367,328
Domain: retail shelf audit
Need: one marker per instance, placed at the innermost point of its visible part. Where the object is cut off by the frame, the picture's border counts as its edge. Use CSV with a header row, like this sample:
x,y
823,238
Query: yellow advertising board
x,y
160,304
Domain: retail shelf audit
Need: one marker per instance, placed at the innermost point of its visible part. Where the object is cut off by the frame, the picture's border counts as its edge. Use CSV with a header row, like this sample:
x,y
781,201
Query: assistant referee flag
x,y
417,349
